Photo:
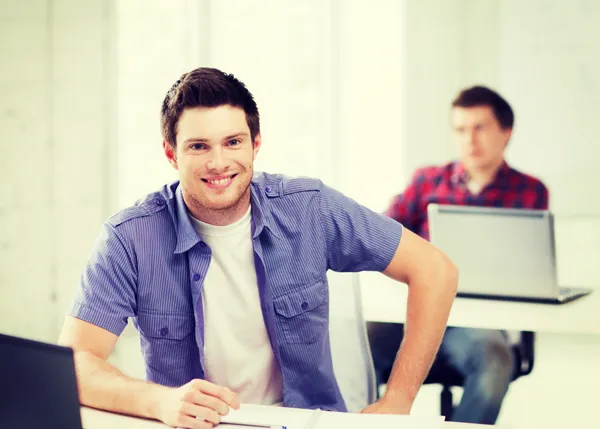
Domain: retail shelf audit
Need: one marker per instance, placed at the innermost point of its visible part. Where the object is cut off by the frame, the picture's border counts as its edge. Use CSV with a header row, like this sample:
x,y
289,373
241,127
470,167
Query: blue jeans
x,y
484,357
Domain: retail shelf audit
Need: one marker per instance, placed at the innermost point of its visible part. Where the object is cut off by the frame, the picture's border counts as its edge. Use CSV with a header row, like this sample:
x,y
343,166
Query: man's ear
x,y
256,146
507,135
170,154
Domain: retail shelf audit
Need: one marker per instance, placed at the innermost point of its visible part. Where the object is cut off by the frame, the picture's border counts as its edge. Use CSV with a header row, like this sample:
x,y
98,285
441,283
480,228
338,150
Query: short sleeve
x,y
107,294
356,238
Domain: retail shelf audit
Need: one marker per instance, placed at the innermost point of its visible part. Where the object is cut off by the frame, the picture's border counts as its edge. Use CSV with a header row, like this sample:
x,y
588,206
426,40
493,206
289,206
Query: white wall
x,y
54,122
549,69
370,113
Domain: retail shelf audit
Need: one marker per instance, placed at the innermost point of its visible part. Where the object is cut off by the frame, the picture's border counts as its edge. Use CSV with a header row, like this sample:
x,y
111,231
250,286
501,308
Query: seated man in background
x,y
224,274
482,122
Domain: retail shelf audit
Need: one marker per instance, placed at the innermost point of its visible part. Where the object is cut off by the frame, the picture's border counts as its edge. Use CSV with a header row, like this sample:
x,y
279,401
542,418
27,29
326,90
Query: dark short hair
x,y
482,96
206,87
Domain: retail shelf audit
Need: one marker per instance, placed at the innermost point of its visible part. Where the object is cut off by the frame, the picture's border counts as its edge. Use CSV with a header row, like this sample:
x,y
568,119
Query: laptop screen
x,y
38,386
498,251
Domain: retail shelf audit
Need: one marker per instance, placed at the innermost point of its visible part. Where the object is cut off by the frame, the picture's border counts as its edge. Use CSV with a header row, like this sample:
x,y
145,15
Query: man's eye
x,y
198,146
234,142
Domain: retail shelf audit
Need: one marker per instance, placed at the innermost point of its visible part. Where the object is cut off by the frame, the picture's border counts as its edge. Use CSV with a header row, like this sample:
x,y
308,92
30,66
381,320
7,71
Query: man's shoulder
x,y
525,178
279,185
146,206
434,172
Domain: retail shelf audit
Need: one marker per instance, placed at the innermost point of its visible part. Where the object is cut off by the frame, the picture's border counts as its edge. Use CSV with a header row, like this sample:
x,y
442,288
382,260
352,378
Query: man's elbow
x,y
449,271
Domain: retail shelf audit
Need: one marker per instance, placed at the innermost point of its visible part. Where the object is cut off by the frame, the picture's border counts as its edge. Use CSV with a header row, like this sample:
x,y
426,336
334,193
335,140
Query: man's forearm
x,y
103,386
429,303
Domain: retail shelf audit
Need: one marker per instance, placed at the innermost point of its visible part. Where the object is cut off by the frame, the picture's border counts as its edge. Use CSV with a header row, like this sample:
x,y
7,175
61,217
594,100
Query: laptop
x,y
38,387
501,253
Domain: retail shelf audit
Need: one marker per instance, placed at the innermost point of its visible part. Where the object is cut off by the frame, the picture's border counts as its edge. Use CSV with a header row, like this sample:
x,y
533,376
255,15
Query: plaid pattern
x,y
447,184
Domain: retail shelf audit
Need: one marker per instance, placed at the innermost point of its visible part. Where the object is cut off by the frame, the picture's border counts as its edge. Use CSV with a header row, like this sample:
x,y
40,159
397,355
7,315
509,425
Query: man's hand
x,y
389,405
198,404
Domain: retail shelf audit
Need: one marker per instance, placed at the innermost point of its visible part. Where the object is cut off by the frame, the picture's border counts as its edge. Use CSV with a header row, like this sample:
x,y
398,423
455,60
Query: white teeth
x,y
220,181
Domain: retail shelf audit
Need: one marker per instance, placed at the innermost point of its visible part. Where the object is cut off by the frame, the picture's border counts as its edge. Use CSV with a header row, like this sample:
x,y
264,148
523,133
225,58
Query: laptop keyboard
x,y
567,293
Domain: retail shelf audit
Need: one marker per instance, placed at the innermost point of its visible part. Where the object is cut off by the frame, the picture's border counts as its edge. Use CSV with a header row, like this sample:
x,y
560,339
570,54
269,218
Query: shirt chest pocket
x,y
303,314
166,326
169,347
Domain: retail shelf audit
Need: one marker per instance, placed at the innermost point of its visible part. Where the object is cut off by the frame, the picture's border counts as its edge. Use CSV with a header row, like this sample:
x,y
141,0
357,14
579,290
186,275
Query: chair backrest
x,y
352,361
523,349
526,348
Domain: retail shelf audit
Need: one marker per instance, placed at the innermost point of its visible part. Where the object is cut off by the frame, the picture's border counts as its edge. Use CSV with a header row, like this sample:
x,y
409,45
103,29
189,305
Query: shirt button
x,y
268,189
304,306
160,202
164,331
196,277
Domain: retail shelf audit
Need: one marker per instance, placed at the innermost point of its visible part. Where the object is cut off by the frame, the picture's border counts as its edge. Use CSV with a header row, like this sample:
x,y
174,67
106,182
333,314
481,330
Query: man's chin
x,y
475,163
217,203
221,203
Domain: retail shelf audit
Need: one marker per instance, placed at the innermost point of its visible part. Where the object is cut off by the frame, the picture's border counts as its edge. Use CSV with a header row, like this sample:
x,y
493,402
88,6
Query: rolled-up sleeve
x,y
107,293
356,238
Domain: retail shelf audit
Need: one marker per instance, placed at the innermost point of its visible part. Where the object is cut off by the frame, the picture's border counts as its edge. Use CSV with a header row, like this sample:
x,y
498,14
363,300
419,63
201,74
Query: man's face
x,y
481,142
214,156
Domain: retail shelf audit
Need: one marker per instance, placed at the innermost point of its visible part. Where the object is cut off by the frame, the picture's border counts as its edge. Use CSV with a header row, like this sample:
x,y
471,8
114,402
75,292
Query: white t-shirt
x,y
237,350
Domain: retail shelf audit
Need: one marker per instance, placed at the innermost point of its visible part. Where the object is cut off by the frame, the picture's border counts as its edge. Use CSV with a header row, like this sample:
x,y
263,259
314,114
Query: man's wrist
x,y
398,398
154,398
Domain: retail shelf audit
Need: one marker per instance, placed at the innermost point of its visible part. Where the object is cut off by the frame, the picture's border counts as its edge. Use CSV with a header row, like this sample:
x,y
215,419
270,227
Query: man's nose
x,y
216,160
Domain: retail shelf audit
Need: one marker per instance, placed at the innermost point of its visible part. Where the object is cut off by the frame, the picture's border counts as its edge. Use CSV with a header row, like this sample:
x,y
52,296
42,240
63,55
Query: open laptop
x,y
501,253
38,387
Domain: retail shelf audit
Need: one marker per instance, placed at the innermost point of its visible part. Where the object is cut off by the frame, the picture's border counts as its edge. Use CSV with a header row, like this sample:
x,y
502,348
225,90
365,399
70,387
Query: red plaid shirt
x,y
447,184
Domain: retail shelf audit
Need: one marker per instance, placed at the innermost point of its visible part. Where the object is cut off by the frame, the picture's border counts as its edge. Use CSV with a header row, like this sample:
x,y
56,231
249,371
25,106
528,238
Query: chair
x,y
442,373
351,355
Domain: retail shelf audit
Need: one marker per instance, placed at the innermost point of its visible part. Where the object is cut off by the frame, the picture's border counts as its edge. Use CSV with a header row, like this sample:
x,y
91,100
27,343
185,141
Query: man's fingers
x,y
203,413
198,398
189,422
223,393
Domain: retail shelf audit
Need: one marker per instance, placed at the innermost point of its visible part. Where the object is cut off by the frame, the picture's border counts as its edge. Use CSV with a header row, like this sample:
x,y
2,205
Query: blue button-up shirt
x,y
149,264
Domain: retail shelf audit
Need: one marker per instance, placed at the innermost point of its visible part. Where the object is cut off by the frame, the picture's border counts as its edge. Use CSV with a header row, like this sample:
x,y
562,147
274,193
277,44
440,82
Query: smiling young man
x,y
482,123
224,275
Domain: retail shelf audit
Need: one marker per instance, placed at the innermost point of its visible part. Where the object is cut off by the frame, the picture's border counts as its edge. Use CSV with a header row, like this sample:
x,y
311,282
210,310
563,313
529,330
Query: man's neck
x,y
484,176
218,217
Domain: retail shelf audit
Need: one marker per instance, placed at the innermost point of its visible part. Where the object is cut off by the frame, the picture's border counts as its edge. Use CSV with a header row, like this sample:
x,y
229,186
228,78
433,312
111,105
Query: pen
x,y
252,425
313,419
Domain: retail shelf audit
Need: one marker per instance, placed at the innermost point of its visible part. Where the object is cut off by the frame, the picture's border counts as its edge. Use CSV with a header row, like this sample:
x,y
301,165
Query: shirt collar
x,y
460,176
187,237
261,215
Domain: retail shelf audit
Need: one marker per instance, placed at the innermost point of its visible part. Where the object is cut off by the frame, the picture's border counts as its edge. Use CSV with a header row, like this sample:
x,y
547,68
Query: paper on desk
x,y
330,419
296,418
248,414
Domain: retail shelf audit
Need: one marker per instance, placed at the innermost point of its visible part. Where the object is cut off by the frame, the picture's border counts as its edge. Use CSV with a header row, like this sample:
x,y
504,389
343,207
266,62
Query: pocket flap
x,y
171,326
301,300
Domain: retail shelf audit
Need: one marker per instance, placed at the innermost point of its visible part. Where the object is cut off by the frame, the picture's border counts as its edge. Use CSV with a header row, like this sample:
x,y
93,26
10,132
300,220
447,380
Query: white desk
x,y
384,300
96,419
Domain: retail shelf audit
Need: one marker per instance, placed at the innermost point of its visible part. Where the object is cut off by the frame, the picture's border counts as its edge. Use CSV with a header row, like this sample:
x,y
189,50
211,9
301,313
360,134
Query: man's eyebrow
x,y
240,134
205,140
195,140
